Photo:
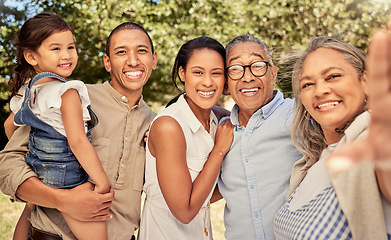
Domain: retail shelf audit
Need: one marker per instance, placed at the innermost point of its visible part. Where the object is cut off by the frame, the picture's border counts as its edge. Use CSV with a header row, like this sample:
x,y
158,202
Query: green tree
x,y
11,19
285,25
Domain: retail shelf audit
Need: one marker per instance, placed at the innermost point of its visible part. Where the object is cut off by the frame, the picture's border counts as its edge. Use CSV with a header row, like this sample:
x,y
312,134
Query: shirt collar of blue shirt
x,y
263,112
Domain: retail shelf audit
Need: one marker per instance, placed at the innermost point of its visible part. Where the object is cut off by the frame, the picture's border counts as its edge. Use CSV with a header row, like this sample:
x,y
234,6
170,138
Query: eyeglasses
x,y
258,69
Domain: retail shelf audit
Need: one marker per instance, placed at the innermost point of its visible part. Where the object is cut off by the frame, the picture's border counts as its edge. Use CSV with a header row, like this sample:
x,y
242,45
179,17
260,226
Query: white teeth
x,y
206,93
328,104
249,90
65,65
133,74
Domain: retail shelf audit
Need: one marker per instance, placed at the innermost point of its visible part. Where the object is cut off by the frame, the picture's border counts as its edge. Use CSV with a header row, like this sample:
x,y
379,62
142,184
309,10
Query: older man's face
x,y
250,92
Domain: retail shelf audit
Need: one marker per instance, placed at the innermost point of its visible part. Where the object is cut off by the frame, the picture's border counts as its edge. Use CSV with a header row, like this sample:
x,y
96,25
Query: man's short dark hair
x,y
126,26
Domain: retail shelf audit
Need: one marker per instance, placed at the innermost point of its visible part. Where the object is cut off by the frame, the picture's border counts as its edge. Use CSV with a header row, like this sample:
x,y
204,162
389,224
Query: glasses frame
x,y
248,66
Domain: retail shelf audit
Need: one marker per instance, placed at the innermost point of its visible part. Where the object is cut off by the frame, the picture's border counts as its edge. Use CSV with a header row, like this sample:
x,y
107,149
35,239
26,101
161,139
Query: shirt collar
x,y
263,112
118,96
192,120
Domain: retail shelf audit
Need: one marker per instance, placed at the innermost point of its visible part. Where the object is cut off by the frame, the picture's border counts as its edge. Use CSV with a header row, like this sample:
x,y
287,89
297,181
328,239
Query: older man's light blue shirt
x,y
255,173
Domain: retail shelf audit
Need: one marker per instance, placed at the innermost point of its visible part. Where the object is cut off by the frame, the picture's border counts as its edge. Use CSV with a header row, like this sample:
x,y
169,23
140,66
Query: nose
x,y
321,88
207,81
132,59
66,55
247,76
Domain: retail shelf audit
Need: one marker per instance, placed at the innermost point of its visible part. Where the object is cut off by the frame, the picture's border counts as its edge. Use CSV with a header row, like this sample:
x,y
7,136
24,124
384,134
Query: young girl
x,y
184,151
57,112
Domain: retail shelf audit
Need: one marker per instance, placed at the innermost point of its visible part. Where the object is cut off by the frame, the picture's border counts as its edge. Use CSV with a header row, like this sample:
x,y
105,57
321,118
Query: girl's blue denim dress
x,y
49,153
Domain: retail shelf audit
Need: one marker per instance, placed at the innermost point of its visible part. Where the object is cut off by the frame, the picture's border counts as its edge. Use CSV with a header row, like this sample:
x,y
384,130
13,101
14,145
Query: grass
x,y
10,212
9,215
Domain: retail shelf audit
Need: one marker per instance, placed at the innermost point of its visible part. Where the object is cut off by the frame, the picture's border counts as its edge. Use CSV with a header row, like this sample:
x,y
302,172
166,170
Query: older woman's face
x,y
331,90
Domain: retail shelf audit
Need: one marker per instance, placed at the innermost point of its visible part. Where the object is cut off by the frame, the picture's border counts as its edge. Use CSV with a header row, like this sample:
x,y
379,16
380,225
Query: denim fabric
x,y
49,153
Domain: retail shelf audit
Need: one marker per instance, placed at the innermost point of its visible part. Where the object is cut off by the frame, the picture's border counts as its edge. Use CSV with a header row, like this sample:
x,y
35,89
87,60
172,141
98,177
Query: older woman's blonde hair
x,y
307,134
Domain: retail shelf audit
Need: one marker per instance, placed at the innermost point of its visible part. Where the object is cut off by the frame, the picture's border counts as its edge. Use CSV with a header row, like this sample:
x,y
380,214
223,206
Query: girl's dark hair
x,y
187,50
30,37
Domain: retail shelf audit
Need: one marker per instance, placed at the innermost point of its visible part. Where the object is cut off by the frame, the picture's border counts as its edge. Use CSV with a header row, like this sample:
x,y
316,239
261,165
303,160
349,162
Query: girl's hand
x,y
103,187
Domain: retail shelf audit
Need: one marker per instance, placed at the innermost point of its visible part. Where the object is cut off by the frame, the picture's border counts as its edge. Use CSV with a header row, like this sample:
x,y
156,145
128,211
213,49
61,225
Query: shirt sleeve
x,y
54,101
13,167
17,100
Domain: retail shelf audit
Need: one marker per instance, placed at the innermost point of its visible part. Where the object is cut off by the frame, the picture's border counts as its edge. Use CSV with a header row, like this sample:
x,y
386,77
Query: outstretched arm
x,y
379,74
377,146
167,143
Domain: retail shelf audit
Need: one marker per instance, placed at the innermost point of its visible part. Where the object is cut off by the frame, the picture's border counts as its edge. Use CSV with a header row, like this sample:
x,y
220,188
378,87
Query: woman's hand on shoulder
x,y
224,137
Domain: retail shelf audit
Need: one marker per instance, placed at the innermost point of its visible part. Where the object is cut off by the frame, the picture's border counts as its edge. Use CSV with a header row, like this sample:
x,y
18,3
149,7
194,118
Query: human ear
x,y
29,55
181,74
154,64
106,62
364,82
274,71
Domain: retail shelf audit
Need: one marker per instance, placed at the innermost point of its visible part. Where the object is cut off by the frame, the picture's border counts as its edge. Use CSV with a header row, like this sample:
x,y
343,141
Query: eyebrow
x,y
138,46
323,72
217,68
252,54
58,44
119,47
143,45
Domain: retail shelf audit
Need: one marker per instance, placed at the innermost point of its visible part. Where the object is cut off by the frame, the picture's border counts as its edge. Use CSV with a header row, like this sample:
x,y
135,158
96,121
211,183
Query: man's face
x,y
131,61
250,92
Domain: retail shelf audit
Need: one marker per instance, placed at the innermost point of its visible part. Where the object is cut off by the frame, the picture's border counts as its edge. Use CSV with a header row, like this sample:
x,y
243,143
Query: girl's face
x,y
331,90
57,54
204,78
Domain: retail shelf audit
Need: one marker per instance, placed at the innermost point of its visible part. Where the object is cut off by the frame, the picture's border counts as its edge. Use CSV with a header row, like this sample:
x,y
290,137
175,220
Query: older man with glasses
x,y
255,173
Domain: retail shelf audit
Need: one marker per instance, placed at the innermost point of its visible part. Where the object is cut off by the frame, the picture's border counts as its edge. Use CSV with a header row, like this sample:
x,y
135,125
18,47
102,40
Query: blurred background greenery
x,y
285,25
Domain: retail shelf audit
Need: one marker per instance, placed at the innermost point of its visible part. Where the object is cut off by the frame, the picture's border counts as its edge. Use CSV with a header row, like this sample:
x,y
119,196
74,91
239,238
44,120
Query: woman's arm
x,y
377,145
72,116
379,89
167,143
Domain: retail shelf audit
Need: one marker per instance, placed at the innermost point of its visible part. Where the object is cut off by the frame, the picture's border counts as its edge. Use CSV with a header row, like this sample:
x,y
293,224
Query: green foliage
x,y
11,19
285,25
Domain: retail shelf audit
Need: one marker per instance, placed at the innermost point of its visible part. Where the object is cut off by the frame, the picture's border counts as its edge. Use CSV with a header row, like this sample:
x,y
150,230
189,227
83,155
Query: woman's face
x,y
331,90
204,78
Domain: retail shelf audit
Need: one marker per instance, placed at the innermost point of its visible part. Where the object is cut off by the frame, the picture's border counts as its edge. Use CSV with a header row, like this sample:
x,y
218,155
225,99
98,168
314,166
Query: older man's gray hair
x,y
248,38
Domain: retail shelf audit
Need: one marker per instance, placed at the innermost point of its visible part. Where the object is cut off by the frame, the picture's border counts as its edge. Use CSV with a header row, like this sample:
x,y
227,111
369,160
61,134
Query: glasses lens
x,y
258,68
235,71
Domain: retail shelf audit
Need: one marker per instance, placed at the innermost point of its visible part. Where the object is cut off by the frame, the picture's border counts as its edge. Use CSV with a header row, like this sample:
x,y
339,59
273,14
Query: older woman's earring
x,y
366,103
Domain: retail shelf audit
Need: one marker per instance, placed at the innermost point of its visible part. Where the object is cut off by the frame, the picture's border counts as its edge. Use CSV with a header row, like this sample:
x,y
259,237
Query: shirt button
x,y
256,215
251,186
246,159
123,98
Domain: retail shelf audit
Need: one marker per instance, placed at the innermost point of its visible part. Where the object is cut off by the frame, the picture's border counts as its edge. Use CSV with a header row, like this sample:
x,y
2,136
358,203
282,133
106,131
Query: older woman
x,y
331,94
